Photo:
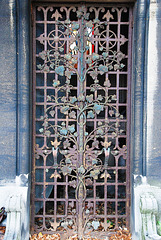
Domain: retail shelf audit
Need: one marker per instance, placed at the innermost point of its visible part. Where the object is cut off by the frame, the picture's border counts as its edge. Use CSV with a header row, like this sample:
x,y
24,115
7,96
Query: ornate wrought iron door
x,y
81,89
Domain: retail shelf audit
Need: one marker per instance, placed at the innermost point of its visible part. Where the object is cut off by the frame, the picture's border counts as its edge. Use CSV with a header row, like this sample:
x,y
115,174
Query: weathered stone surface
x,y
8,89
147,212
153,156
15,199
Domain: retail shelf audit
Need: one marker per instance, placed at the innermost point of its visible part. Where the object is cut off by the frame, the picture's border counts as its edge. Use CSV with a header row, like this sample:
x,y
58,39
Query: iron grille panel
x,y
81,114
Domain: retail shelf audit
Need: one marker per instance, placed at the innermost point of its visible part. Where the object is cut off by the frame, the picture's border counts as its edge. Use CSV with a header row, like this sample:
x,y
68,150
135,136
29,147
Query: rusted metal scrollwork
x,y
81,119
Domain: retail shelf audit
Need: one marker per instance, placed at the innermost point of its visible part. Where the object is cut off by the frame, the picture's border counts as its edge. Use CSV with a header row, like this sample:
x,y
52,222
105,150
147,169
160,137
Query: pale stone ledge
x,y
15,199
147,205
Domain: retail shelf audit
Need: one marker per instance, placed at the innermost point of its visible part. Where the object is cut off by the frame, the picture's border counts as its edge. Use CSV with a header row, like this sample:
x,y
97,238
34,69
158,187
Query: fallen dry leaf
x,y
41,236
2,232
121,234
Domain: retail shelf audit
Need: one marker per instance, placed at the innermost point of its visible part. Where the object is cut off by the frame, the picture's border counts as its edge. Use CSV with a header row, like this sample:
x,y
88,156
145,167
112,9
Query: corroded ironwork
x,y
80,123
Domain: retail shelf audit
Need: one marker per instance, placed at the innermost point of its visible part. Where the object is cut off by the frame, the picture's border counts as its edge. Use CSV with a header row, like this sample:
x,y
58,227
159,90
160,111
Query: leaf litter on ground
x,y
121,234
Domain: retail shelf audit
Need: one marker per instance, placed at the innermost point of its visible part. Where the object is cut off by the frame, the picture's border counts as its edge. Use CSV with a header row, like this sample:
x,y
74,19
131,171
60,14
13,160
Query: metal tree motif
x,y
81,158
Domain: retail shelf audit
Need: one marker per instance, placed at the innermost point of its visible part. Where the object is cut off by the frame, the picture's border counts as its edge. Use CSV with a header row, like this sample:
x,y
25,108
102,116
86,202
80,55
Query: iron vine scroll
x,y
81,159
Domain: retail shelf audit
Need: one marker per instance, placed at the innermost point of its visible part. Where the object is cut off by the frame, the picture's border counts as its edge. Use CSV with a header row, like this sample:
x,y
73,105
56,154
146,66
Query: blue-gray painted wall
x,y
24,92
8,91
14,88
137,91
